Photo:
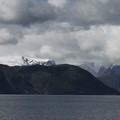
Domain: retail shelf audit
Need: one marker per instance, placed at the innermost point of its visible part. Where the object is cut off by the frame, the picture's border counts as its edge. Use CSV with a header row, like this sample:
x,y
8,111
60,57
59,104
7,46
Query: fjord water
x,y
38,107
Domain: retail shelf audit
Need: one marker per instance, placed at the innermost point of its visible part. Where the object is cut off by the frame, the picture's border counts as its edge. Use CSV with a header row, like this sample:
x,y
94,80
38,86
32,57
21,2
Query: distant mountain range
x,y
90,67
51,80
110,75
24,75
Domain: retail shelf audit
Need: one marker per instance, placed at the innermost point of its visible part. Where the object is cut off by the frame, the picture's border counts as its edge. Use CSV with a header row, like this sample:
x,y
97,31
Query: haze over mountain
x,y
97,69
91,67
111,76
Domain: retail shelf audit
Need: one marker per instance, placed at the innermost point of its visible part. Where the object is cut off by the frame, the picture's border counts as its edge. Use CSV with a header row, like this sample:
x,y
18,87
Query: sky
x,y
67,31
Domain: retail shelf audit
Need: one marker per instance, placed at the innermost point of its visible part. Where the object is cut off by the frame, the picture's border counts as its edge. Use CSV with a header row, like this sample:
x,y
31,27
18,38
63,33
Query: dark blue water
x,y
36,107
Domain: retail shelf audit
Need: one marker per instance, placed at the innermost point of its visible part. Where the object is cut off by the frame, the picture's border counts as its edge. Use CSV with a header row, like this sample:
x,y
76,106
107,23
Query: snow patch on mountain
x,y
25,61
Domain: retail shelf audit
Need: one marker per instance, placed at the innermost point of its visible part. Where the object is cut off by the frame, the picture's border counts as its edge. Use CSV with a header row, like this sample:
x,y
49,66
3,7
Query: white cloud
x,y
25,12
60,42
57,3
48,52
80,30
65,44
6,37
101,43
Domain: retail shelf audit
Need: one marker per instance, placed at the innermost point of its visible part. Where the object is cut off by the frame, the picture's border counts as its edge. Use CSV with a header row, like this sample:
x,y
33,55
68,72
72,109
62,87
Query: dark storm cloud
x,y
80,12
91,12
25,12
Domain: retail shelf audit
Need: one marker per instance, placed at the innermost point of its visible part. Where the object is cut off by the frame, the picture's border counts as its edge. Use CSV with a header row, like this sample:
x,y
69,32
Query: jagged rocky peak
x,y
114,68
91,67
21,61
102,70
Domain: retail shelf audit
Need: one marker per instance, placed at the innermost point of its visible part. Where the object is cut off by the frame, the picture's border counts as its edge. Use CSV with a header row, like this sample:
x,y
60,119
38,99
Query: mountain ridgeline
x,y
108,74
51,80
111,76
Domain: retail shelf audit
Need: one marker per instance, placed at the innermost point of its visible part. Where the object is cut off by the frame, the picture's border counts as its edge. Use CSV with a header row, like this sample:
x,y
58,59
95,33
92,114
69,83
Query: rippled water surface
x,y
36,107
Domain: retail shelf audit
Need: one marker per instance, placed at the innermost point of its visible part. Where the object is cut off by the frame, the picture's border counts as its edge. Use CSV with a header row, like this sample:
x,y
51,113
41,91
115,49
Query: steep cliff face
x,y
5,87
58,79
111,76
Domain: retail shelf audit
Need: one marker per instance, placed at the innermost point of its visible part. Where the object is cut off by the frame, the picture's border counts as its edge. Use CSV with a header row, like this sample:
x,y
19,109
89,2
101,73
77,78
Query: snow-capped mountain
x,y
111,76
24,61
112,68
100,69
